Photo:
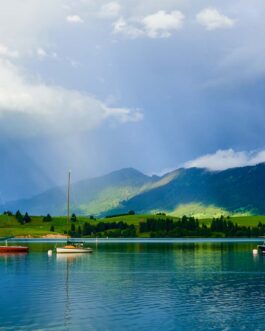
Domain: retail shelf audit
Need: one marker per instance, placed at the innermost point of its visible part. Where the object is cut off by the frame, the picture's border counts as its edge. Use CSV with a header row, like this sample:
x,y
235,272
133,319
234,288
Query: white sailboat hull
x,y
61,250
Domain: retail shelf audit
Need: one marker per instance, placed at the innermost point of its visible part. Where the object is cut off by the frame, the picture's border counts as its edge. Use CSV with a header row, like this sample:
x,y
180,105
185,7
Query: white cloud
x,y
26,24
212,19
6,52
225,159
128,30
74,19
157,25
29,108
41,52
162,24
110,10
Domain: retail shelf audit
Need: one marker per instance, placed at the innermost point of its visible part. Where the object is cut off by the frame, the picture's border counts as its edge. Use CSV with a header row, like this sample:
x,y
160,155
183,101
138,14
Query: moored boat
x,y
72,247
261,248
12,249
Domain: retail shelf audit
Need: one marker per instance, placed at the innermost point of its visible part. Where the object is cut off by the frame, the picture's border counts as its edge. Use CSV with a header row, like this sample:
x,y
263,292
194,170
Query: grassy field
x,y
240,220
9,226
201,211
36,228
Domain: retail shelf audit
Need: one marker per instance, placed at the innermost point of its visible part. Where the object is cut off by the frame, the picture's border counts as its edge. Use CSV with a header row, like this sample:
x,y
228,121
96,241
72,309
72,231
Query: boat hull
x,y
261,248
13,249
62,250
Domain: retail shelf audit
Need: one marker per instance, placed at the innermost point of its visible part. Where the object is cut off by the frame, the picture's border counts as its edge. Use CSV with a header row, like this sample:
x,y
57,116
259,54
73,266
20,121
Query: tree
x,y
8,213
73,218
88,229
131,212
72,228
100,227
47,218
18,214
19,217
26,218
52,229
79,232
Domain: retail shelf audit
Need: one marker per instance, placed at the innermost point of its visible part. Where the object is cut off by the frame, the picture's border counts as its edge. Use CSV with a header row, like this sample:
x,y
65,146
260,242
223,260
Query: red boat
x,y
14,249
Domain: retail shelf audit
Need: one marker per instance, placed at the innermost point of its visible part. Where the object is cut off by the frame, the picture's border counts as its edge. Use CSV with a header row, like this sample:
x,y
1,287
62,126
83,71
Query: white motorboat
x,y
73,249
72,246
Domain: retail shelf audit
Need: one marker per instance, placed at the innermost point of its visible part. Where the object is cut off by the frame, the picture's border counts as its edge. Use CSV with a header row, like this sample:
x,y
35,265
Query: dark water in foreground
x,y
135,286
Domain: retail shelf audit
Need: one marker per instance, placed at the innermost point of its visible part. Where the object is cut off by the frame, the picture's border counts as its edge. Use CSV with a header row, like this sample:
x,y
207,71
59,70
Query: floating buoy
x,y
255,252
49,252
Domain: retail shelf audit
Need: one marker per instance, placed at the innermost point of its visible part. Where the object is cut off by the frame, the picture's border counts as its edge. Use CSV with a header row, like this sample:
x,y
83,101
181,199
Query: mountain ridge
x,y
235,190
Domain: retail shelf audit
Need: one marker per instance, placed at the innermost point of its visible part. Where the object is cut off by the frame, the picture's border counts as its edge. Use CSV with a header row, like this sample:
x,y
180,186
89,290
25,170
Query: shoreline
x,y
139,240
47,236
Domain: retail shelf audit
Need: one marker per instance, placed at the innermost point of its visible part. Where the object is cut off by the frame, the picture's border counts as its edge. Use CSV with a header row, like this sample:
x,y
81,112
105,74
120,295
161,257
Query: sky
x,y
95,86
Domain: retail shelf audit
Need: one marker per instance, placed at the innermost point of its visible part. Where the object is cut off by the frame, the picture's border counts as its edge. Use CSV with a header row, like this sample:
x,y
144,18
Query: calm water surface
x,y
135,286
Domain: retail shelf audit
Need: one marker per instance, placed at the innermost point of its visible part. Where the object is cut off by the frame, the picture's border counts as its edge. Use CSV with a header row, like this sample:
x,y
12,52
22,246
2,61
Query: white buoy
x,y
49,252
255,252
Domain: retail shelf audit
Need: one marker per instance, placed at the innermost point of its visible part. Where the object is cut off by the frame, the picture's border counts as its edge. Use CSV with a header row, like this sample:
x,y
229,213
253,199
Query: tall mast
x,y
68,201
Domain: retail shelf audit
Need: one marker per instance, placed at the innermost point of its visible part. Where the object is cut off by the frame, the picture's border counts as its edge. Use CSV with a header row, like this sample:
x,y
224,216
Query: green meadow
x,y
9,226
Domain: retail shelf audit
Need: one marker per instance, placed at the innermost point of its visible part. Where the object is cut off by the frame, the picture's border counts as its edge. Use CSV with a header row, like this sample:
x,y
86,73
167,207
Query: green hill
x,y
238,190
198,192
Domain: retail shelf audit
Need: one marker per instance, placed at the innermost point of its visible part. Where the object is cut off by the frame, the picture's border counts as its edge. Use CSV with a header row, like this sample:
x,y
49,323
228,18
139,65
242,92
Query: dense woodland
x,y
190,227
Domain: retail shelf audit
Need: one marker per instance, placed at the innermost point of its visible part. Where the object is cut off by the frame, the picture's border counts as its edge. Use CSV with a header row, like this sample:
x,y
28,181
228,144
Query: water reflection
x,y
68,260
71,257
12,255
135,286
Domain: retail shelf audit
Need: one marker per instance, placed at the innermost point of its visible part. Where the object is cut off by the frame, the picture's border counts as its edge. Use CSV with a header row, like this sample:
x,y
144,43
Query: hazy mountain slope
x,y
92,196
233,190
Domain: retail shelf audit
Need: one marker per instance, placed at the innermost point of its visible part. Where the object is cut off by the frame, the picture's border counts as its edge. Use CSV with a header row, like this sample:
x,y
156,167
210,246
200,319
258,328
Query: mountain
x,y
191,191
237,190
91,196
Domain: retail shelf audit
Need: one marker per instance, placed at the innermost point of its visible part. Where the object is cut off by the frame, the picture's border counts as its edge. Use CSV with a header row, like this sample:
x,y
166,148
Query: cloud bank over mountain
x,y
226,159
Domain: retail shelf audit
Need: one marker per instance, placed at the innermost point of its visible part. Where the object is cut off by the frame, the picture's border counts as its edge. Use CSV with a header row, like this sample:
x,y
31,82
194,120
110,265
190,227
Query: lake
x,y
135,285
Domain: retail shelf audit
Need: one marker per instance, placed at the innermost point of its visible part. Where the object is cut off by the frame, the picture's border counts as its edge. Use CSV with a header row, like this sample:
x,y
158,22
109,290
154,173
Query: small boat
x,y
74,247
261,248
12,249
71,246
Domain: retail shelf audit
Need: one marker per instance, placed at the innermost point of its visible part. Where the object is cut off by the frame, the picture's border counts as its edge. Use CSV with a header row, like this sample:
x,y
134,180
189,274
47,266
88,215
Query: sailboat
x,y
72,246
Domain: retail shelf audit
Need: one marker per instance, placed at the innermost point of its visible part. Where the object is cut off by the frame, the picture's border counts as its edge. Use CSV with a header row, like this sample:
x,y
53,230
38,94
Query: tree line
x,y
109,229
155,227
190,227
